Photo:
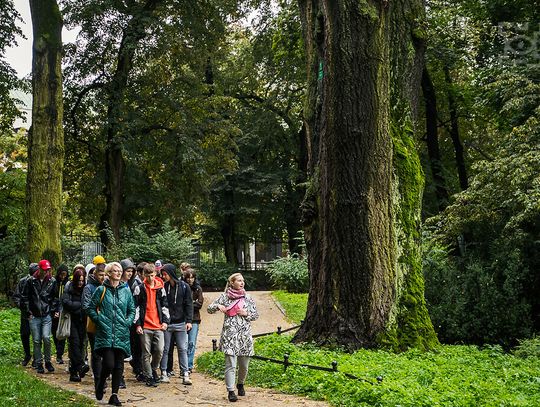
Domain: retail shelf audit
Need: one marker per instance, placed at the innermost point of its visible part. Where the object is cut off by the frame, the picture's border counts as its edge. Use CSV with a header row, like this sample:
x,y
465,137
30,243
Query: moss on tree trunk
x,y
361,211
46,136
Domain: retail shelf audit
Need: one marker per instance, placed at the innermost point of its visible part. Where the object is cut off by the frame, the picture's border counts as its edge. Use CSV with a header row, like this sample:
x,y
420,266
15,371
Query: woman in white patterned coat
x,y
236,341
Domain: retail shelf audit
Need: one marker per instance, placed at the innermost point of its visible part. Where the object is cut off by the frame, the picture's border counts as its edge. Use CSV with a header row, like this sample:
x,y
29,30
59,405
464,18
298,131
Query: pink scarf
x,y
238,295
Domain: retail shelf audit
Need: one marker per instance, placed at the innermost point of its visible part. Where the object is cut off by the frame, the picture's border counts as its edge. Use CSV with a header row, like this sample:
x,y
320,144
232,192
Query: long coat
x,y
116,315
236,338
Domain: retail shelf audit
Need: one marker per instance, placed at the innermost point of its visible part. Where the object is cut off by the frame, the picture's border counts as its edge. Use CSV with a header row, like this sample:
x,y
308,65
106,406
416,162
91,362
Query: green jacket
x,y
116,315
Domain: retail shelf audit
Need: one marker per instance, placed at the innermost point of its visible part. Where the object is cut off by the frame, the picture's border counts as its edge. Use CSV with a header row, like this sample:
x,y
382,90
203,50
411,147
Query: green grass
x,y
450,376
293,304
17,386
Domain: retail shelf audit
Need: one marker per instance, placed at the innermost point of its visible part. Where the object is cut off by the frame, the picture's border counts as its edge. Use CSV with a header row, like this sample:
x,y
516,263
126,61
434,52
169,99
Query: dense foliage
x,y
450,375
289,273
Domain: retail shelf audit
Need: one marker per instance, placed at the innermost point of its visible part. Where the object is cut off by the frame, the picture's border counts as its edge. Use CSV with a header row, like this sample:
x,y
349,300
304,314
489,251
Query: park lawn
x,y
449,376
17,386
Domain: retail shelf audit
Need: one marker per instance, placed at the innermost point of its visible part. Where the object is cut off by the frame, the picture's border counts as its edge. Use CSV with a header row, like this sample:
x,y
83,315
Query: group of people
x,y
130,313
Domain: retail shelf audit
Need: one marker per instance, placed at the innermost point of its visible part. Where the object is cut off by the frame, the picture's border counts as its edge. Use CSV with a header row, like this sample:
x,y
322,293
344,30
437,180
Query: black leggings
x,y
112,363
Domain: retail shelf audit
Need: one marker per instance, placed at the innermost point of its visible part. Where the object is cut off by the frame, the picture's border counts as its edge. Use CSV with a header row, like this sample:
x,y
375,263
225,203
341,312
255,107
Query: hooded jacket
x,y
89,290
178,296
140,297
115,317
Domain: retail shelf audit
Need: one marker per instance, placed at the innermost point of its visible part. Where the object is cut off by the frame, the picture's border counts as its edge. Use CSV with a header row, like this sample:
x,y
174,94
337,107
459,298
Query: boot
x,y
241,390
113,400
232,397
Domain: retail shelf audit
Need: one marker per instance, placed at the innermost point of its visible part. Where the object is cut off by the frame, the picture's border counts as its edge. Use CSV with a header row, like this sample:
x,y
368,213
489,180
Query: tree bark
x,y
46,136
354,206
115,166
454,133
432,139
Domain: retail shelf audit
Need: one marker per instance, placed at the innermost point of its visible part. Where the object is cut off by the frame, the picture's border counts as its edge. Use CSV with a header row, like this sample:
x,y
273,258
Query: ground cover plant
x,y
17,386
449,376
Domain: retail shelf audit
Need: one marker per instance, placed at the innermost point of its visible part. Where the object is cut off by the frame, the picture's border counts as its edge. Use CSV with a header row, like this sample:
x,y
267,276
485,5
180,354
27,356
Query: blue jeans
x,y
41,331
192,343
181,338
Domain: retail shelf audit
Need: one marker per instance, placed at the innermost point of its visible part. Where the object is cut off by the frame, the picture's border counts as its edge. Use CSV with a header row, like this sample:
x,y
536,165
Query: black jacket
x,y
180,302
72,301
38,298
19,291
141,297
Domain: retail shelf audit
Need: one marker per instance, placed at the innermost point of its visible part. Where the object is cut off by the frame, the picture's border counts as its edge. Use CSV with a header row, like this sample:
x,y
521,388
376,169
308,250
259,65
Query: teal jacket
x,y
116,315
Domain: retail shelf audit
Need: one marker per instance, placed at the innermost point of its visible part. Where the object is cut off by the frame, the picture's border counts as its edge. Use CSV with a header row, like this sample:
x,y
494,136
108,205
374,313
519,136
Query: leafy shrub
x,y
528,348
215,275
139,244
289,273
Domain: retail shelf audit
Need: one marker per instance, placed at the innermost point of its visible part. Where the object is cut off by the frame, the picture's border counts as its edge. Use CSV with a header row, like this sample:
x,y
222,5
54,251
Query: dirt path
x,y
205,391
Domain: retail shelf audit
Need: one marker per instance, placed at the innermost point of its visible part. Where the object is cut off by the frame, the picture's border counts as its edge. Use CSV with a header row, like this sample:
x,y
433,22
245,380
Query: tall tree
x,y
361,221
46,136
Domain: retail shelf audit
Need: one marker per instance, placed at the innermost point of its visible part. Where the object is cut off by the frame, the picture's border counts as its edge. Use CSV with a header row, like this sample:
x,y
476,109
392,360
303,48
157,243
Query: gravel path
x,y
205,391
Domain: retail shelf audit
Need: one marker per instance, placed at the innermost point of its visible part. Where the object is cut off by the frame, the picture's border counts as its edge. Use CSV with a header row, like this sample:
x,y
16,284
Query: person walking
x,y
112,309
136,349
39,303
62,278
181,310
190,277
95,280
72,304
236,341
24,328
151,320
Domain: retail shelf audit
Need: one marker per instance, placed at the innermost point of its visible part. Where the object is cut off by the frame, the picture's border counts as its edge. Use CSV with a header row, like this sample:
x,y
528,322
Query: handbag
x,y
91,325
64,325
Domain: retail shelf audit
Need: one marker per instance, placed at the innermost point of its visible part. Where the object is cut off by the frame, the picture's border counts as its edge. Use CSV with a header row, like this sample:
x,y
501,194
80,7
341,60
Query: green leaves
x,y
289,273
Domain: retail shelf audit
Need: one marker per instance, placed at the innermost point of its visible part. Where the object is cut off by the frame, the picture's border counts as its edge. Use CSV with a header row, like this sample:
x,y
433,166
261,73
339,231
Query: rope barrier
x,y
285,362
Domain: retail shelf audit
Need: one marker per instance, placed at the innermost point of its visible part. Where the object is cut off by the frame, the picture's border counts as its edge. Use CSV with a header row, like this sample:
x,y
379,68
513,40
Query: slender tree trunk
x,y
115,166
454,133
432,140
354,205
46,137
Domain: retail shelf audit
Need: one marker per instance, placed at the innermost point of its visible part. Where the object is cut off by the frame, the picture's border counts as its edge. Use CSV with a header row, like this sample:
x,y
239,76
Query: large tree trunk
x,y
355,206
46,137
454,133
432,139
115,166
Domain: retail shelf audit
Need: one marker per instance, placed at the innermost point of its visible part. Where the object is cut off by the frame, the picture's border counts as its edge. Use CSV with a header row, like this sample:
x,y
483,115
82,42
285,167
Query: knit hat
x,y
170,269
79,266
32,268
98,260
89,267
158,264
127,264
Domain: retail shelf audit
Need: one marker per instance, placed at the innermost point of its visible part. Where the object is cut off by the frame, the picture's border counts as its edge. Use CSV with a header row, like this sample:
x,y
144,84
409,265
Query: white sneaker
x,y
165,378
186,379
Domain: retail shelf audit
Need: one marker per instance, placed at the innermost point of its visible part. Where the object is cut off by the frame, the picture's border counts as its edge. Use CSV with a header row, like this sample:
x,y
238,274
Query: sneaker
x,y
140,377
84,370
39,368
232,397
150,382
113,400
49,367
186,380
60,361
122,384
74,377
165,378
155,376
171,373
241,390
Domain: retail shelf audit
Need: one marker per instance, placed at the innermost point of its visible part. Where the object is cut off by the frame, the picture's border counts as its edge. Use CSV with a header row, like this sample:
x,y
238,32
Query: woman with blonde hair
x,y
112,309
236,341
